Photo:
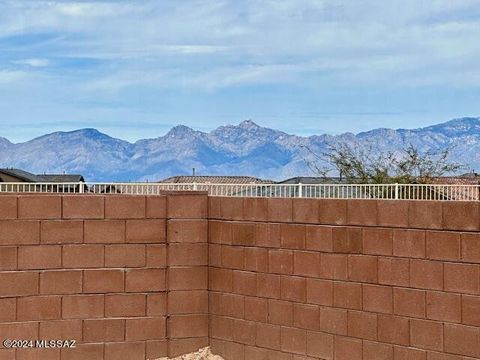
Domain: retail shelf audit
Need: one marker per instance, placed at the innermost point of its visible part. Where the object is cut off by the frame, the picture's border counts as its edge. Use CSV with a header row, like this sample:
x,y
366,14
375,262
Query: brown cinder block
x,y
8,207
61,282
333,266
38,308
190,206
463,340
103,330
255,209
221,327
61,232
256,259
305,211
409,243
306,263
220,232
347,295
19,232
461,215
220,279
62,329
244,283
280,261
444,306
157,304
188,254
188,302
471,247
83,256
186,326
103,281
227,208
320,345
306,316
83,306
256,309
267,235
8,309
348,348
125,207
187,231
293,341
125,305
443,245
18,283
362,268
409,302
462,278
293,288
280,312
19,330
83,206
125,351
393,271
156,256
362,325
347,240
319,292
243,234
156,349
425,214
268,336
143,280
233,257
39,257
393,330
319,238
8,258
362,212
105,231
333,320
426,274
426,334
392,213
156,207
470,310
83,351
375,350
292,236
145,329
189,278
280,210
332,212
377,241
404,353
146,231
378,299
128,255
268,285
40,207
178,347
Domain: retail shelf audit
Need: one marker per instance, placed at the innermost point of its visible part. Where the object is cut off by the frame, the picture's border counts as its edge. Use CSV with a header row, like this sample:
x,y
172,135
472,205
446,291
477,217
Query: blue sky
x,y
134,69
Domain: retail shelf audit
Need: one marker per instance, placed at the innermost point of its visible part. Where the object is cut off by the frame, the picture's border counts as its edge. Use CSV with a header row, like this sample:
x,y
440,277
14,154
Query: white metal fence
x,y
321,191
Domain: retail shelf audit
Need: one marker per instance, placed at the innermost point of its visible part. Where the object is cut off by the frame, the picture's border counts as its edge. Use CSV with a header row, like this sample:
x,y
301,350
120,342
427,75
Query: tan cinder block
x,y
39,308
61,231
18,283
105,231
145,329
40,207
19,232
187,231
145,280
146,231
187,206
125,207
83,207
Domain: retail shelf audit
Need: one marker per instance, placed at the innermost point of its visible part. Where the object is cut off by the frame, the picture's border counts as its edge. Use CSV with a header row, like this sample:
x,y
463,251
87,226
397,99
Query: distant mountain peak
x,y
180,131
248,125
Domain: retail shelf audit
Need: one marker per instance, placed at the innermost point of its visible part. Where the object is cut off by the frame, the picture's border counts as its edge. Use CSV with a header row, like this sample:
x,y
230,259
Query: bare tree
x,y
356,165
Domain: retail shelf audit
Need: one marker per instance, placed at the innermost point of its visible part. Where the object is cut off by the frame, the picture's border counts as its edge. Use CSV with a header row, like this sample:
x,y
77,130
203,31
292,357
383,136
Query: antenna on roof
x,y
193,171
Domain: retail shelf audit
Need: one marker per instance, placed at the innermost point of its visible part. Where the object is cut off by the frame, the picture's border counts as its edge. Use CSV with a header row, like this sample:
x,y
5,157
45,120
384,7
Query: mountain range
x,y
244,149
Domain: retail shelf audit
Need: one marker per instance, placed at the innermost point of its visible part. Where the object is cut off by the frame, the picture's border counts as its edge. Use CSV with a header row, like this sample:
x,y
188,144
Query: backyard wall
x,y
141,277
345,280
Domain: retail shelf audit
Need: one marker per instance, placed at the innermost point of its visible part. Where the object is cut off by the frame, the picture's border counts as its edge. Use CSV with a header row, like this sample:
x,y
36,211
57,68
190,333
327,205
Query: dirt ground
x,y
202,354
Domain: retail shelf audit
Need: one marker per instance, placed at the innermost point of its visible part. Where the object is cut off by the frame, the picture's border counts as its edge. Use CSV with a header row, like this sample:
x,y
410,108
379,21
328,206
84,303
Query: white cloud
x,y
36,63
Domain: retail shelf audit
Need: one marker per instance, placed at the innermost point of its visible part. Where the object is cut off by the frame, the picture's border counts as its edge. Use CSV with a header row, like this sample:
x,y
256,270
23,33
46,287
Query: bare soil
x,y
202,354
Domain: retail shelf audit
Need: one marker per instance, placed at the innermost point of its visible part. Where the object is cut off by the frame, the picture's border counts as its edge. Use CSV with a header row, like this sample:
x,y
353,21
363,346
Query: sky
x,y
134,69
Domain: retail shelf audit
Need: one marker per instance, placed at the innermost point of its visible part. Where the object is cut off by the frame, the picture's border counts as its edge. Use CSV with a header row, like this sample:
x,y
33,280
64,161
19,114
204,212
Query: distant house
x,y
59,182
212,179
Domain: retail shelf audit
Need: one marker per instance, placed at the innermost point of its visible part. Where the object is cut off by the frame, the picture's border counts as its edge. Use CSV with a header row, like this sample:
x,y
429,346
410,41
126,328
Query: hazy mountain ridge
x,y
245,149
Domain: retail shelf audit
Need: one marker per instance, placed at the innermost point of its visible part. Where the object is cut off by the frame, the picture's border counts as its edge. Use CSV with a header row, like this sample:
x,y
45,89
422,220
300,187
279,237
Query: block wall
x,y
96,269
346,280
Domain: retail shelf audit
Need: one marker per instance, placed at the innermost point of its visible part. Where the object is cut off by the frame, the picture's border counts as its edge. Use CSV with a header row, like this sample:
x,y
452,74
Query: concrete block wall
x,y
309,279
